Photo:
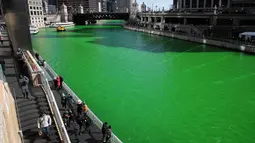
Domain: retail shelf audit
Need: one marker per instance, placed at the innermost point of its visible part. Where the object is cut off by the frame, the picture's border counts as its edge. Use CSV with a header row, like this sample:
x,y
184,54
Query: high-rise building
x,y
88,5
52,2
74,4
36,13
122,5
104,5
130,4
111,5
93,5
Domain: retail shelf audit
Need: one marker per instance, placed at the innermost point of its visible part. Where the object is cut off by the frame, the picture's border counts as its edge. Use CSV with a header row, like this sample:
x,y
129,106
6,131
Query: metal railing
x,y
51,100
91,115
54,109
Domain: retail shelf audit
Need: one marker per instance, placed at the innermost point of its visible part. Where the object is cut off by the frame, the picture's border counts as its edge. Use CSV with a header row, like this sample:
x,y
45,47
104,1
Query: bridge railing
x,y
64,137
91,115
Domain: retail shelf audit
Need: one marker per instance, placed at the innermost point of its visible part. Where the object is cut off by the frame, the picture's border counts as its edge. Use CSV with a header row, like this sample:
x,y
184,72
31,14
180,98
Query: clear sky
x,y
160,3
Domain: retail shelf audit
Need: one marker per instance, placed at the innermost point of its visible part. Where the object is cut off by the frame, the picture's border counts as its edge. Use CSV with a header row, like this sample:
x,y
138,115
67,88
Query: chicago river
x,y
155,89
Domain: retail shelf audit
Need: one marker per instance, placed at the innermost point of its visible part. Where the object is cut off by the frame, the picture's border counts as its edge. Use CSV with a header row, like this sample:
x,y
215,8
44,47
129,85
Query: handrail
x,y
52,103
54,108
92,116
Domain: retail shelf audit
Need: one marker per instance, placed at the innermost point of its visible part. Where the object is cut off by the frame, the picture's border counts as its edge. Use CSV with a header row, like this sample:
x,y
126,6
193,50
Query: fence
x,y
50,97
91,115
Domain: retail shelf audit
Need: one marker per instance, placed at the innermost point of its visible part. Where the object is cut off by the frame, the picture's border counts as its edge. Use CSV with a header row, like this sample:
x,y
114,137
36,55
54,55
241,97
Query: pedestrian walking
x,y
66,118
2,62
104,129
58,83
80,121
71,115
79,107
85,108
108,134
1,40
69,101
63,100
24,85
88,123
44,121
61,81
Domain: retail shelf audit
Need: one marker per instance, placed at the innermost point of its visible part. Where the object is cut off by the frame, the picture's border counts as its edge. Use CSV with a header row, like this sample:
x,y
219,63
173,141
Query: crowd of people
x,y
79,120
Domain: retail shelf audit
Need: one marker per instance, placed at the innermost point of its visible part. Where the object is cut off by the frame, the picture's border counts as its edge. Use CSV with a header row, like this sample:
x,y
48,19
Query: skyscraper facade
x,y
88,5
52,2
122,5
74,3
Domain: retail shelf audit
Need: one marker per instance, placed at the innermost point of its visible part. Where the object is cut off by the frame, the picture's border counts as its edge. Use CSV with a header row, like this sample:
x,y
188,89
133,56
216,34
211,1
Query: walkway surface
x,y
94,136
27,109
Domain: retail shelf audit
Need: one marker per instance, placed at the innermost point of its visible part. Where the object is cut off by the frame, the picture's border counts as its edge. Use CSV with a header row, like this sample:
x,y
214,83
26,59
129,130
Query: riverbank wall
x,y
203,40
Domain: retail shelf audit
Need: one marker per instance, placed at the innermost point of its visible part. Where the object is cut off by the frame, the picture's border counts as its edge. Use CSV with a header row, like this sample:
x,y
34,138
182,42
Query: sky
x,y
160,3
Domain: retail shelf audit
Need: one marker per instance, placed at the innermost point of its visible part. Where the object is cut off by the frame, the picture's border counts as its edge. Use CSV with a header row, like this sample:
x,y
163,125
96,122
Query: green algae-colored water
x,y
154,89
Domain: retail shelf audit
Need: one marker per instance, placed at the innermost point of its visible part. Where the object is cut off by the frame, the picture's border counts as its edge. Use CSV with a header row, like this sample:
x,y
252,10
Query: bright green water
x,y
154,89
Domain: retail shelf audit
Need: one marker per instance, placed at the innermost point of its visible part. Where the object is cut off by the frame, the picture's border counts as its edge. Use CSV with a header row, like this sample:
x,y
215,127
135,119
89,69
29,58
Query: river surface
x,y
154,89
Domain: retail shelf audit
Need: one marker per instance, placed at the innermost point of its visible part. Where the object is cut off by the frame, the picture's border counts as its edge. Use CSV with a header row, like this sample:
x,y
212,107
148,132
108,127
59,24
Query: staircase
x,y
27,109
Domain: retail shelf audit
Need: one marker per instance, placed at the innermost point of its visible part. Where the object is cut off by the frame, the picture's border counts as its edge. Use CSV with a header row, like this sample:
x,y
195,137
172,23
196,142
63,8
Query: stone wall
x,y
8,118
208,41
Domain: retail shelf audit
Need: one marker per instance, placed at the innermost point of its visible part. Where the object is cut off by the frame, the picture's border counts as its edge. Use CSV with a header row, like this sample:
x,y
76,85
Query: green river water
x,y
154,89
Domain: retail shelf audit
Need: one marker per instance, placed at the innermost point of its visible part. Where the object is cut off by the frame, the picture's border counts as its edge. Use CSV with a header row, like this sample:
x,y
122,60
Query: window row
x,y
34,2
35,21
35,12
33,7
36,18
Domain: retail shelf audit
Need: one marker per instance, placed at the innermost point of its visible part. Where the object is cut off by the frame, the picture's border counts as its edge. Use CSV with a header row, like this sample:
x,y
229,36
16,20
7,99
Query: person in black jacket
x,y
79,107
104,128
69,101
61,81
63,100
80,121
108,134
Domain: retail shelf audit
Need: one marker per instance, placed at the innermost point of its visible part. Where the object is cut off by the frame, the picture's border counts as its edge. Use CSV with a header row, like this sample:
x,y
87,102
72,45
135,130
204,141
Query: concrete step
x,y
28,122
25,102
26,108
29,127
28,112
29,117
5,51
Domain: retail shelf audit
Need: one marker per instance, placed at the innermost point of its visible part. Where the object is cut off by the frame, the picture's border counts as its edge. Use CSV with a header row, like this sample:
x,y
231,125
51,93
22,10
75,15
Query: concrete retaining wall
x,y
223,44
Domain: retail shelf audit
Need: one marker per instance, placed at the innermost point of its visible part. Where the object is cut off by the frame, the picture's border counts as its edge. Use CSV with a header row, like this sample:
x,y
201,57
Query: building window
x,y
40,8
37,8
34,7
31,7
40,13
37,12
34,12
31,12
